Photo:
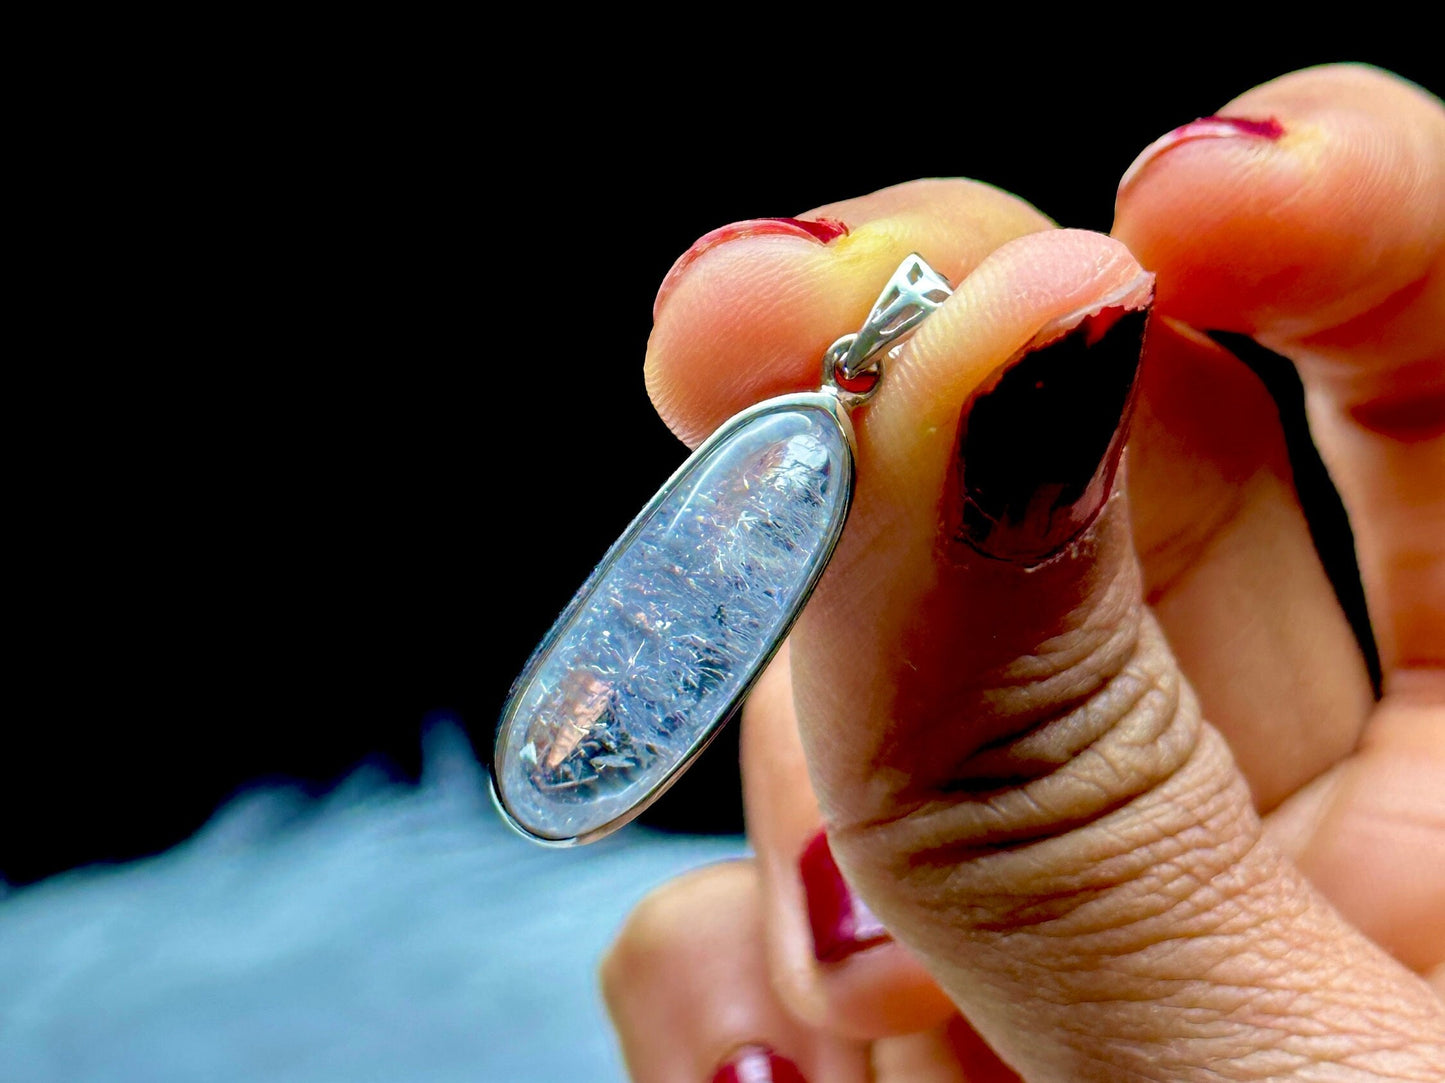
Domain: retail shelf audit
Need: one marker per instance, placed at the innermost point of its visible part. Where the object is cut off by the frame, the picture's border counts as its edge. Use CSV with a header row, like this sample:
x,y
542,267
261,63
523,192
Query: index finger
x,y
1311,215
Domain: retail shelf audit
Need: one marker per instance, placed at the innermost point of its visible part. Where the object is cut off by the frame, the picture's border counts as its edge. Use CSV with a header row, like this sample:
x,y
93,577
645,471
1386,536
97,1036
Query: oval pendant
x,y
672,629
670,632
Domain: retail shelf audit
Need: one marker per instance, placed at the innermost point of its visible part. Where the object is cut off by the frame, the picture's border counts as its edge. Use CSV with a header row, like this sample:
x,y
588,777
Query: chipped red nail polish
x,y
1213,127
758,1064
1267,128
1040,441
822,230
841,922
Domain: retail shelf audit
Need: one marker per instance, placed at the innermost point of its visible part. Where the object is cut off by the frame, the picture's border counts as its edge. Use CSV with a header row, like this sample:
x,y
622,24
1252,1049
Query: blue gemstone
x,y
679,619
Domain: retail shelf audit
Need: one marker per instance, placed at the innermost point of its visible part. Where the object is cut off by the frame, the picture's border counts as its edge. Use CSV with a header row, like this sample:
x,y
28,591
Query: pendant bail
x,y
913,292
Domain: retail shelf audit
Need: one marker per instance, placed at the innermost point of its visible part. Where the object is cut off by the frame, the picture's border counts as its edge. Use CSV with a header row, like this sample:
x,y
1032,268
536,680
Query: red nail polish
x,y
758,1064
842,923
1267,128
821,230
1040,441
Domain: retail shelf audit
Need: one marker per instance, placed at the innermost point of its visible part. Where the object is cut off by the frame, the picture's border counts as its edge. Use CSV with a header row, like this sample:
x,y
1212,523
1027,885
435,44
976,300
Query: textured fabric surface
x,y
386,932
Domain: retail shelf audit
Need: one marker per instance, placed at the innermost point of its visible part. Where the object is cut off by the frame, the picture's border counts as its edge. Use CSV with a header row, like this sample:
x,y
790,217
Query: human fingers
x,y
1370,833
1231,571
1215,478
755,304
689,994
687,987
1315,211
831,961
1317,224
1236,562
1014,776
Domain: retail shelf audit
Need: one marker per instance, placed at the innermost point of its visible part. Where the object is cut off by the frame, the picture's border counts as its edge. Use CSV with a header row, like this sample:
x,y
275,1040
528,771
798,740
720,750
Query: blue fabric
x,y
384,933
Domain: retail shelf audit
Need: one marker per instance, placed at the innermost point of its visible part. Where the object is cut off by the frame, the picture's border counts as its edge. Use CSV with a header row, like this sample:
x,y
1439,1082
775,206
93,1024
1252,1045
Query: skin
x,y
1234,865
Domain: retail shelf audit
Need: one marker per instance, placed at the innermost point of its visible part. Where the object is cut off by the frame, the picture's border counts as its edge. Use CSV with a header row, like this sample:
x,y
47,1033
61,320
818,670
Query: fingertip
x,y
822,229
1029,292
688,992
749,310
1303,203
749,317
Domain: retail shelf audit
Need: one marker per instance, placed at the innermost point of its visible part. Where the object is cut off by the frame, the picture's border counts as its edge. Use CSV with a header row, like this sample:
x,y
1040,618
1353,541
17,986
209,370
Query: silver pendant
x,y
671,630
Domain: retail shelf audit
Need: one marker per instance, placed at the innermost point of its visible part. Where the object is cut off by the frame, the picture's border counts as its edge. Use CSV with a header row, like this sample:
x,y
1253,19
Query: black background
x,y
346,397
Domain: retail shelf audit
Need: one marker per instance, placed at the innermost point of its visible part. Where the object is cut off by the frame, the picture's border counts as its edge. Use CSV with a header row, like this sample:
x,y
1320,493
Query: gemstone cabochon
x,y
662,642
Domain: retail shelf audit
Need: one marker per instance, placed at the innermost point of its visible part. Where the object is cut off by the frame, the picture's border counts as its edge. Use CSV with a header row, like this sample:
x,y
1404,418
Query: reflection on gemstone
x,y
675,624
573,714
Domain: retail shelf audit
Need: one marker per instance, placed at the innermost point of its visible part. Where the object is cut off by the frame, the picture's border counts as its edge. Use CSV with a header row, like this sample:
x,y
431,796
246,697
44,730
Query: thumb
x,y
1015,776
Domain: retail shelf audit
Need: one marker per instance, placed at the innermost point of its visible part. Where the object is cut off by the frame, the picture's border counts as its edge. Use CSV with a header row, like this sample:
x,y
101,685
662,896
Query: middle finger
x,y
830,960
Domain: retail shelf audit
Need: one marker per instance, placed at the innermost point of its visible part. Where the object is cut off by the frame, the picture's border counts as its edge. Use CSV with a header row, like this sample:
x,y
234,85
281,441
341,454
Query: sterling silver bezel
x,y
827,401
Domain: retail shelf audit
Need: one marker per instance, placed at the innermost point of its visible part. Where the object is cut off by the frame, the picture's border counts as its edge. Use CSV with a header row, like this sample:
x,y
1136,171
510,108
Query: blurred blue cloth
x,y
385,932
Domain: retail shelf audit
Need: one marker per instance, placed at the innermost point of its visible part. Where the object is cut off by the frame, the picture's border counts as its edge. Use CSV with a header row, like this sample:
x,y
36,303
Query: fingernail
x,y
1040,440
1266,128
842,923
758,1064
820,230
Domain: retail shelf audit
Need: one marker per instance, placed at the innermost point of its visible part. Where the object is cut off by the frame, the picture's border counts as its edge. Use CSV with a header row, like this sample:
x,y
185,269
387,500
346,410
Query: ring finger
x,y
687,986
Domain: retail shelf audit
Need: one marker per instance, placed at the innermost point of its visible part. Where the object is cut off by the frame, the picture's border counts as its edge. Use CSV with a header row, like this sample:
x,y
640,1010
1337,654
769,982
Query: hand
x,y
1100,752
